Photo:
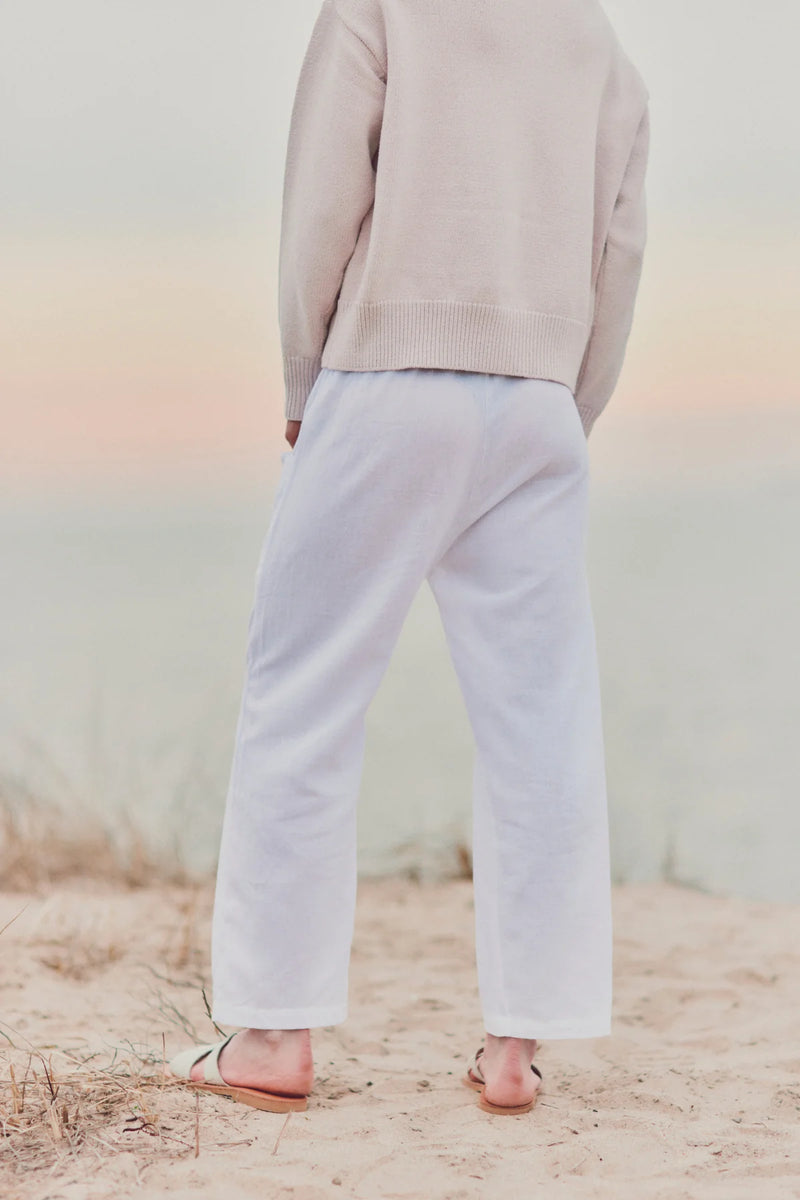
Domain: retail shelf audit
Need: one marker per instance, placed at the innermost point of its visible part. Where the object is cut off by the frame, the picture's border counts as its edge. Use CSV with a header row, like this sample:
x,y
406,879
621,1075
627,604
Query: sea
x,y
123,616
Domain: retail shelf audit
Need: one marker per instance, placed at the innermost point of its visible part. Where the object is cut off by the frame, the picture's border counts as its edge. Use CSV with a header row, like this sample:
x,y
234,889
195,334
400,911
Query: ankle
x,y
279,1037
525,1047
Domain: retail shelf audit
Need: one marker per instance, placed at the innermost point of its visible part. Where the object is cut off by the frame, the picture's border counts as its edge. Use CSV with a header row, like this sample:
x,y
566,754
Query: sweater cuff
x,y
299,376
588,417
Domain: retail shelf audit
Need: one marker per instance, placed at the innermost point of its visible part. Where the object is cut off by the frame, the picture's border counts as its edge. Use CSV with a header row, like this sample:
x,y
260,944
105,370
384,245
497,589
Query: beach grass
x,y
43,844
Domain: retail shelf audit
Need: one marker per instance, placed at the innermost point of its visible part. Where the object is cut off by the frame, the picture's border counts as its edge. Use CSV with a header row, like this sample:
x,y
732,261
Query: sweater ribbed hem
x,y
454,336
299,376
588,417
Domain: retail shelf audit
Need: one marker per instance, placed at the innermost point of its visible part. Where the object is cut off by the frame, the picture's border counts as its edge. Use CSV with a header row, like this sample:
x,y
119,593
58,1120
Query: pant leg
x,y
513,594
378,473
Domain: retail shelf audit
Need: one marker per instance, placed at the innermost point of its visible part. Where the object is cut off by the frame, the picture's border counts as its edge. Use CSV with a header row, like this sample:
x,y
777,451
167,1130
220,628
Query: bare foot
x,y
506,1067
273,1060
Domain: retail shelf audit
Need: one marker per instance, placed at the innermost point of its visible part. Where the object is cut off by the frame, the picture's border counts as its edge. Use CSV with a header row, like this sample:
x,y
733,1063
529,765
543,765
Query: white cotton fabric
x,y
476,483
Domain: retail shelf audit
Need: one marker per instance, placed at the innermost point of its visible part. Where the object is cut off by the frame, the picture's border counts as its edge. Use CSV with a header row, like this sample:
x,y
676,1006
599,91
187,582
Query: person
x,y
463,231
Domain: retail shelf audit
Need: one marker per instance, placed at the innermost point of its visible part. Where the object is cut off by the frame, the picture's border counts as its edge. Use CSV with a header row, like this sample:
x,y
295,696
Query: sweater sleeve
x,y
329,188
617,286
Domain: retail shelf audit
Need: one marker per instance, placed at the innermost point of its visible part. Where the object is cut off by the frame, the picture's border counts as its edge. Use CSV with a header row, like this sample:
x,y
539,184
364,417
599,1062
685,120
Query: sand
x,y
696,1094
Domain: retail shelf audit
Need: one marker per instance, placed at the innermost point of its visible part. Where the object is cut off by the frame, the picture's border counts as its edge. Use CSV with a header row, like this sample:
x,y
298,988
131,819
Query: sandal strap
x,y
181,1064
474,1066
210,1069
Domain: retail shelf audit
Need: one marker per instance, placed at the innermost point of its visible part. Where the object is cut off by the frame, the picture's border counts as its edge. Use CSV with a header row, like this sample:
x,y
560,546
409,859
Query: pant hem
x,y
278,1018
545,1030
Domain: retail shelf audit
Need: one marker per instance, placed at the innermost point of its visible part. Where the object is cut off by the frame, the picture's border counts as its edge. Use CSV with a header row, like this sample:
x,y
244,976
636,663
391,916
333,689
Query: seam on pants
x,y
288,464
484,422
235,767
488,797
482,457
452,535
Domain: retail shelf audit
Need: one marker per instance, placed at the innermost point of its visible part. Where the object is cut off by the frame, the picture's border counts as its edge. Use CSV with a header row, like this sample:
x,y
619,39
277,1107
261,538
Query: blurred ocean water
x,y
122,638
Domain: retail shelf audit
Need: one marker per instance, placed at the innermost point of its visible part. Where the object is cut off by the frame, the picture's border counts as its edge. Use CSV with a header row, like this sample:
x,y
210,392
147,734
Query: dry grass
x,y
54,1117
48,1113
63,1113
39,844
60,1113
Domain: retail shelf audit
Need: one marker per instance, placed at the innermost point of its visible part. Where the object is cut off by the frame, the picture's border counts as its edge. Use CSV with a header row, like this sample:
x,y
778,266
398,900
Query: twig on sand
x,y
208,1012
280,1135
14,918
173,1014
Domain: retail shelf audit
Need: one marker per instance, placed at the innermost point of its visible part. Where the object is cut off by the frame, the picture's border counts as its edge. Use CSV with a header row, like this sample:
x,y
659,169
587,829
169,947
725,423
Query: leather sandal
x,y
181,1067
474,1079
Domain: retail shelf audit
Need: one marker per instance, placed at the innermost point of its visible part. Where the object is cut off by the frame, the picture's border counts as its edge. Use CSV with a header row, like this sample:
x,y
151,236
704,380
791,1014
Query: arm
x,y
617,286
329,188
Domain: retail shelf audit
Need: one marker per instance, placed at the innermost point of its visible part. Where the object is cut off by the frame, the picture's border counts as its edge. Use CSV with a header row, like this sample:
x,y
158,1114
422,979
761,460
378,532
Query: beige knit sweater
x,y
464,189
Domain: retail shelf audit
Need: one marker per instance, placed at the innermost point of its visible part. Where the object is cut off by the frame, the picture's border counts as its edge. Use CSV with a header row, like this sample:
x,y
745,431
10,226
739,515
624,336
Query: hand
x,y
292,430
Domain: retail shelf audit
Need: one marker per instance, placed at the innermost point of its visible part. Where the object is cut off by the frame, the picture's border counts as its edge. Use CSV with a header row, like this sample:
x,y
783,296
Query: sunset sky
x,y
142,149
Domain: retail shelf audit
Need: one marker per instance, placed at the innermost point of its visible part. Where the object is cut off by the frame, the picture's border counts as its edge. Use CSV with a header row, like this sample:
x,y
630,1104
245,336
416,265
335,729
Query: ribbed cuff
x,y
299,376
588,417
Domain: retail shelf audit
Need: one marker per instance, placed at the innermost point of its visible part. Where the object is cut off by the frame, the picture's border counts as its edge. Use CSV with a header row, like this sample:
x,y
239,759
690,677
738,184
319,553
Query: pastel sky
x,y
142,149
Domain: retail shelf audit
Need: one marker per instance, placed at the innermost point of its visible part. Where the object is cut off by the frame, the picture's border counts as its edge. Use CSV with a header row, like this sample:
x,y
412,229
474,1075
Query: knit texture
x,y
464,190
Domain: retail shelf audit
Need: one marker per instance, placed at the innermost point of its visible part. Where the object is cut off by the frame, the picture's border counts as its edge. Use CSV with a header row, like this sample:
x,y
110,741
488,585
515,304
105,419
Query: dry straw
x,y
56,1116
40,843
60,1113
50,1114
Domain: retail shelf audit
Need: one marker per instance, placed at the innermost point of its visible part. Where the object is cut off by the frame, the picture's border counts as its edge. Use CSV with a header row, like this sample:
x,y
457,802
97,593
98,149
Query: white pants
x,y
477,483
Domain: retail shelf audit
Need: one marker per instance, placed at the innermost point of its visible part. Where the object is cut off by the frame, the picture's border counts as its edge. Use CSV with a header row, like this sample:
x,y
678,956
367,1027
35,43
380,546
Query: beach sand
x,y
696,1094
